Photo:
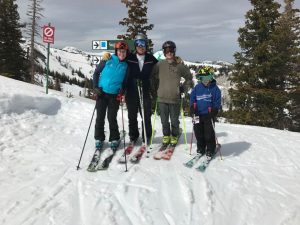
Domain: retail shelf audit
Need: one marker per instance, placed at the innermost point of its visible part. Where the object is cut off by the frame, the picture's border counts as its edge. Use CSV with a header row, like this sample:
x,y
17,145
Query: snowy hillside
x,y
257,182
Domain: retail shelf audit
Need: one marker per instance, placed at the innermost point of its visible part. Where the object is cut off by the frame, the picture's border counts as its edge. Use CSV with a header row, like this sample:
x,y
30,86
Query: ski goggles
x,y
206,78
140,43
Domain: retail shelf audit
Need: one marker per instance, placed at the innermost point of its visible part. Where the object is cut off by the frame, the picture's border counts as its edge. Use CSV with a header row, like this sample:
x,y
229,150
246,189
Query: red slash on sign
x,y
48,34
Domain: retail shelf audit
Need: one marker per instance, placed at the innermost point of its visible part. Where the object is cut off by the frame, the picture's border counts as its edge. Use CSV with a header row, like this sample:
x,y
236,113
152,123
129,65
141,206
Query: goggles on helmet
x,y
204,78
140,43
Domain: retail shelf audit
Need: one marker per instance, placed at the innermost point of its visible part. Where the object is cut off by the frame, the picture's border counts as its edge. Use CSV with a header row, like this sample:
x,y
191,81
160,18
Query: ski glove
x,y
213,112
120,96
99,92
192,111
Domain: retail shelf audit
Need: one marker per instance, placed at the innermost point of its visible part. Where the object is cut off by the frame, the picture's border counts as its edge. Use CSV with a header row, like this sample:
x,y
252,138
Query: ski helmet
x,y
140,37
169,46
121,45
140,41
205,74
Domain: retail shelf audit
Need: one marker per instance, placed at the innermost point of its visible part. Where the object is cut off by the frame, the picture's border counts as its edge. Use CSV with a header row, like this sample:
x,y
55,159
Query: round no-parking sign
x,y
48,34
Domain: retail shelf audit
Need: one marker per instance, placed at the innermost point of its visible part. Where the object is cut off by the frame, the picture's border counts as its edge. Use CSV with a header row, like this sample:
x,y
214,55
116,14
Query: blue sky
x,y
202,29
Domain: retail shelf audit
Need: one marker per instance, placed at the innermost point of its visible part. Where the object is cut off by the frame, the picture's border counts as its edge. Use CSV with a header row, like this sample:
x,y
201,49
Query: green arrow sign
x,y
111,44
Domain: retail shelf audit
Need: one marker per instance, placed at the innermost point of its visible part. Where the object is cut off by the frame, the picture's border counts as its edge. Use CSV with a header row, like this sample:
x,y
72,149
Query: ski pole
x,y
193,120
213,126
140,92
217,143
86,137
121,103
183,122
192,142
153,127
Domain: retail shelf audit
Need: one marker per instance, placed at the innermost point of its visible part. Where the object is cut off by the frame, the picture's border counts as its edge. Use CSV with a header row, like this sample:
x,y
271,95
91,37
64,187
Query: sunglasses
x,y
169,50
140,43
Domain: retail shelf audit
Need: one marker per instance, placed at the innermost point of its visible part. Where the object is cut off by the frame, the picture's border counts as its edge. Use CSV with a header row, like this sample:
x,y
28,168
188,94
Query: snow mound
x,y
21,103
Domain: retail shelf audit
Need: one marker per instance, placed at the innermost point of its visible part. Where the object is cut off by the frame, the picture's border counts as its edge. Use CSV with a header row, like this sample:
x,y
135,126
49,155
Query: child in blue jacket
x,y
108,81
205,102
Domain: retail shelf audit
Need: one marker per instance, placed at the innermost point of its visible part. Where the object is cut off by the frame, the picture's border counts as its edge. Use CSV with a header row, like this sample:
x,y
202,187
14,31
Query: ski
x,y
128,151
204,164
159,154
95,160
112,151
138,155
167,154
193,161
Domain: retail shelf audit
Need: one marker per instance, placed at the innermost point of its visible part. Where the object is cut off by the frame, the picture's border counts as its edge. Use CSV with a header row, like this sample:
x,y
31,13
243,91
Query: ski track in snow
x,y
41,139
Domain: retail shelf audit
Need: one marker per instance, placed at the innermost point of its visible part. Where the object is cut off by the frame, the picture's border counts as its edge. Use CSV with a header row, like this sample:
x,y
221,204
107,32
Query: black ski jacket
x,y
135,75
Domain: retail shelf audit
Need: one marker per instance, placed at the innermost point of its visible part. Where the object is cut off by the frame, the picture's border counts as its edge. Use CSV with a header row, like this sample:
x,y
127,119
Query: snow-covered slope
x,y
41,137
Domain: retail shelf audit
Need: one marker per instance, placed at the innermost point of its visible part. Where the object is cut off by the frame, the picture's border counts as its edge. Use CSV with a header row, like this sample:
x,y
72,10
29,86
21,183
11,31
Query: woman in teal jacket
x,y
108,81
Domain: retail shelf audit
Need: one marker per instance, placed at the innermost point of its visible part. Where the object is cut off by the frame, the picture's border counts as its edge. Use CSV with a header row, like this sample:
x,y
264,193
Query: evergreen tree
x,y
258,96
33,30
12,56
287,55
137,21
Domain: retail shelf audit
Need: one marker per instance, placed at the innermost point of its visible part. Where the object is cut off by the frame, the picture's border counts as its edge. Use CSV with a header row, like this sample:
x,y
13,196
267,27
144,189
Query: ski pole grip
x,y
209,109
195,105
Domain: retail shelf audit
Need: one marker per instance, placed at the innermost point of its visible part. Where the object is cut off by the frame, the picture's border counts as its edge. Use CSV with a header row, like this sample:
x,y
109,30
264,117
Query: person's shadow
x,y
234,148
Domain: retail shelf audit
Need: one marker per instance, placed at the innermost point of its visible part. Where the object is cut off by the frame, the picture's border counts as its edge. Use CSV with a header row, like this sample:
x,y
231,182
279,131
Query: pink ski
x,y
138,155
128,151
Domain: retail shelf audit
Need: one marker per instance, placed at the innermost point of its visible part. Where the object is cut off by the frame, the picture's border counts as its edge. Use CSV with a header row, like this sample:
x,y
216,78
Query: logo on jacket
x,y
204,97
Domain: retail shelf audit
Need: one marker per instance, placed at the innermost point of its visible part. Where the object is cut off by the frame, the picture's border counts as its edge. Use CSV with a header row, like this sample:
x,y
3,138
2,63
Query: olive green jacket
x,y
166,77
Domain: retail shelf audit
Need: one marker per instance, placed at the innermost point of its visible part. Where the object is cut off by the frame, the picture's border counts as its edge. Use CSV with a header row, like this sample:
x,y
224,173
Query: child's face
x,y
206,83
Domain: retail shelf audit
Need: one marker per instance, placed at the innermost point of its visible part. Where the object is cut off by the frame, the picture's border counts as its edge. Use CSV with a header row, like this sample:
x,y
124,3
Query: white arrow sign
x,y
95,59
96,45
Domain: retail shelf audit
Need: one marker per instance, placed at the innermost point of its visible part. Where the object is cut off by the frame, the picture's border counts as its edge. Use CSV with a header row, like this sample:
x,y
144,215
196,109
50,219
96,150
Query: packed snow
x,y
257,182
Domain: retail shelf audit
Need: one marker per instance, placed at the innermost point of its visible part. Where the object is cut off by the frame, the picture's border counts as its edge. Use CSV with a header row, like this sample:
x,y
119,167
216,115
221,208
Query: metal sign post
x,y
48,37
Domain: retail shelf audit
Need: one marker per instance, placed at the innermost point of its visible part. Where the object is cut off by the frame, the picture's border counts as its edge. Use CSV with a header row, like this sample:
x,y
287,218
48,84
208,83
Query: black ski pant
x,y
110,104
172,111
133,107
205,135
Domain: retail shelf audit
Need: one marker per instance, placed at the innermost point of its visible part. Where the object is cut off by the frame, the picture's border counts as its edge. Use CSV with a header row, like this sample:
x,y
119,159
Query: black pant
x,y
107,102
133,107
205,135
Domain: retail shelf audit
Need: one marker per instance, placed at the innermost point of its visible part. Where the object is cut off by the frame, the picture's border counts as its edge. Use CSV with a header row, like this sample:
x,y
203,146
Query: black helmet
x,y
169,44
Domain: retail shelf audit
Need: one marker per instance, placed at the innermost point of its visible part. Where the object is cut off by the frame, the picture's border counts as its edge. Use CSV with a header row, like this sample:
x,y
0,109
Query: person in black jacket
x,y
140,66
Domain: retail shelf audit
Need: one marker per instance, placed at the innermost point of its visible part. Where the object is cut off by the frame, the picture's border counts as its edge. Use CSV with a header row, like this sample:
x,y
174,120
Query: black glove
x,y
213,112
99,92
122,91
181,88
192,111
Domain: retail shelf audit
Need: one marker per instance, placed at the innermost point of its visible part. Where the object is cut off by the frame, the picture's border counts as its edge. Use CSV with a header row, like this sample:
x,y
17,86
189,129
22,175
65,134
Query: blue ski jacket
x,y
206,97
110,75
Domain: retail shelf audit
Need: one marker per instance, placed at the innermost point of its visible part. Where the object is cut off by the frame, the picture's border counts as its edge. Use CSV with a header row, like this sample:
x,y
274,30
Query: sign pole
x,y
48,37
48,55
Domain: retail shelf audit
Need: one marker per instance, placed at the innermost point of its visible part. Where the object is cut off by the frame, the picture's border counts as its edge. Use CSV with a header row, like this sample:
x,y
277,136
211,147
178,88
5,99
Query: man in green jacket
x,y
166,77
